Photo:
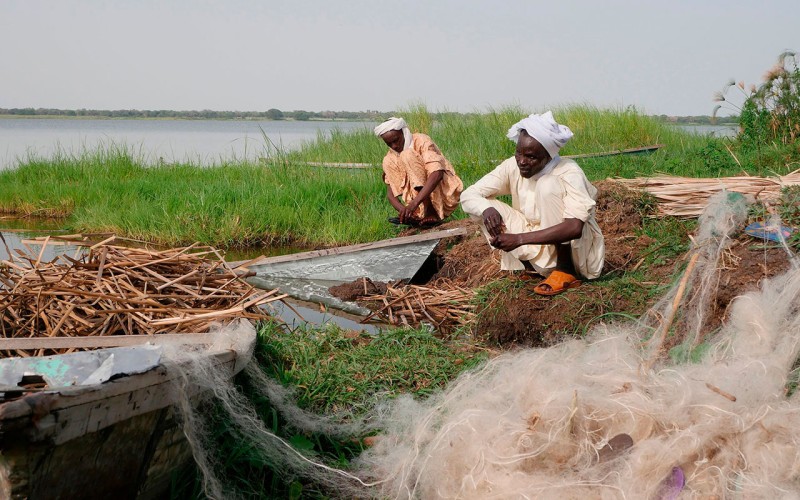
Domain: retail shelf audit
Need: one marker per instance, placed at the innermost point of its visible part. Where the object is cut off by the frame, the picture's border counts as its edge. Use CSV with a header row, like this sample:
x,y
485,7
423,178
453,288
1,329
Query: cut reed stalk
x,y
115,290
687,197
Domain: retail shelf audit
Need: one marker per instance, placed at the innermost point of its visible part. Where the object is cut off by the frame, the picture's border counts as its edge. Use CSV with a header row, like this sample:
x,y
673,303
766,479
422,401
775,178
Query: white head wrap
x,y
395,124
544,129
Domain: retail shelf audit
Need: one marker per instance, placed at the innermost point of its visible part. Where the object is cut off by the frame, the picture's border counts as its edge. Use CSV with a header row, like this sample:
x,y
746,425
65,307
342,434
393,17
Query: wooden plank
x,y
104,341
447,233
233,350
644,149
338,165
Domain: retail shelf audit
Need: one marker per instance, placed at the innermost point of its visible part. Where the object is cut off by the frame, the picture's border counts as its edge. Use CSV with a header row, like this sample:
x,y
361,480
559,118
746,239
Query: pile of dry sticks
x,y
442,304
116,290
687,197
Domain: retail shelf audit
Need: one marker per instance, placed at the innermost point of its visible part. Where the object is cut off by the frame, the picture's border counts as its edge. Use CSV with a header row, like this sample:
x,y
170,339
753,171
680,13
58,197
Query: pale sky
x,y
665,57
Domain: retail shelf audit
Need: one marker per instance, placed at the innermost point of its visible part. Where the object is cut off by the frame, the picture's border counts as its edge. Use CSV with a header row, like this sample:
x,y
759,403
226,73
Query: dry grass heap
x,y
444,304
114,290
687,197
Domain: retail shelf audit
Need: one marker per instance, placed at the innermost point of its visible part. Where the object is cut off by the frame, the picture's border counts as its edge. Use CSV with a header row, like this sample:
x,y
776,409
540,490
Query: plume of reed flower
x,y
772,110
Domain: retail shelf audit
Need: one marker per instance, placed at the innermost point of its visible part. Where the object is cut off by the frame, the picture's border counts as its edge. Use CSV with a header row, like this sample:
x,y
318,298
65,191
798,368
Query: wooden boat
x,y
308,275
100,424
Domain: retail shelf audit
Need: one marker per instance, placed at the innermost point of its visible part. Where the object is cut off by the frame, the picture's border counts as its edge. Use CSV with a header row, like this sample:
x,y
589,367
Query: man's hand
x,y
506,242
407,213
493,222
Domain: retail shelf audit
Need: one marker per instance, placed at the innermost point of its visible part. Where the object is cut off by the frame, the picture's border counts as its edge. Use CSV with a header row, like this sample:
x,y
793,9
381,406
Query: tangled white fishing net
x,y
534,423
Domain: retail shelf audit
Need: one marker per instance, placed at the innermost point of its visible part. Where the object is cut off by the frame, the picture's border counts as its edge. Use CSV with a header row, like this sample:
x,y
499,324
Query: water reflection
x,y
16,241
298,313
727,130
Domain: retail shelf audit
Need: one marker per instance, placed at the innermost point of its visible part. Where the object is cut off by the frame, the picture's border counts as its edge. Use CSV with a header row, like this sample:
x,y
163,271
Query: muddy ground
x,y
633,278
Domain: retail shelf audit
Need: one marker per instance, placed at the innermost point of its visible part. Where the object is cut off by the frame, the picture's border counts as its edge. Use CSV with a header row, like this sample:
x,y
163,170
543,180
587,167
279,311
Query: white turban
x,y
544,129
395,124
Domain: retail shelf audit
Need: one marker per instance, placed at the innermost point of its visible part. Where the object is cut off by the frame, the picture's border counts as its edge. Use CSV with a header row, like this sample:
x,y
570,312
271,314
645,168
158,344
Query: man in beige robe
x,y
416,172
550,226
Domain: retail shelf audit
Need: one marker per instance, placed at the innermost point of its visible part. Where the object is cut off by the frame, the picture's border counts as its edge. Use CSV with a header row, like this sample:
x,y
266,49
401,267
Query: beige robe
x,y
560,192
405,173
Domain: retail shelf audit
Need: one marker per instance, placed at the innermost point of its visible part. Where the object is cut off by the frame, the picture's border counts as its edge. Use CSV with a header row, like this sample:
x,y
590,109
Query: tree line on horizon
x,y
277,114
206,114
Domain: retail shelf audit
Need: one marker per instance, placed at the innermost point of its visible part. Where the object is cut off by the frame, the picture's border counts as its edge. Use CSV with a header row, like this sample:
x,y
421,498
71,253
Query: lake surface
x,y
727,130
202,141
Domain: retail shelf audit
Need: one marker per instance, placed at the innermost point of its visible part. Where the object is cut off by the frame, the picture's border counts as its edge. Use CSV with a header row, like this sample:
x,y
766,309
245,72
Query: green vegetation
x,y
339,371
233,204
332,371
281,200
771,112
475,143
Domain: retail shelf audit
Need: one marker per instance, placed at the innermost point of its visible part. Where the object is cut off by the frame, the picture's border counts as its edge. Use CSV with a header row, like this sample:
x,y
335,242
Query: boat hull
x,y
308,276
120,438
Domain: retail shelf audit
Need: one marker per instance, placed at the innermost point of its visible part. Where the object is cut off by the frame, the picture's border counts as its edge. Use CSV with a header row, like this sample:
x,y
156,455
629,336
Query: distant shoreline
x,y
299,115
175,118
675,120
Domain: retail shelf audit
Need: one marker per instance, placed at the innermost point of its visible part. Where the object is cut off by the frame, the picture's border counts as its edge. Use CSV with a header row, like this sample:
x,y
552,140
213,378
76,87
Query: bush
x,y
772,112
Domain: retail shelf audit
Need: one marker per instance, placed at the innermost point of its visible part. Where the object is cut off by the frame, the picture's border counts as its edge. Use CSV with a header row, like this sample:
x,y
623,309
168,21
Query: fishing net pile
x,y
613,415
106,289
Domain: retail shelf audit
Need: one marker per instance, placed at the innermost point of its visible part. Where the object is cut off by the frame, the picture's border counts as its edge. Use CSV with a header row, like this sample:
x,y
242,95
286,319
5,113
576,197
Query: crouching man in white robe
x,y
550,226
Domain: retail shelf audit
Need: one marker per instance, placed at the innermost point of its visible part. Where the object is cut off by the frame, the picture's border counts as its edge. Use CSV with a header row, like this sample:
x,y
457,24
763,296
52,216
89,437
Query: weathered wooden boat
x,y
101,424
308,275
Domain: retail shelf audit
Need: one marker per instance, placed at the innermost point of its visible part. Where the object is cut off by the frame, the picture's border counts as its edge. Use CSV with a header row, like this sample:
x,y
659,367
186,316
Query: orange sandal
x,y
558,281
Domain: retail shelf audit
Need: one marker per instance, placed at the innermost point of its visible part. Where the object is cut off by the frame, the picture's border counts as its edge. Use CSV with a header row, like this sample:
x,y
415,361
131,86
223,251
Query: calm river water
x,y
203,141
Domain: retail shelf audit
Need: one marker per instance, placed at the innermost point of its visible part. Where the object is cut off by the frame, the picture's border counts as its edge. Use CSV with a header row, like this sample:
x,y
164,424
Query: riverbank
x,y
281,200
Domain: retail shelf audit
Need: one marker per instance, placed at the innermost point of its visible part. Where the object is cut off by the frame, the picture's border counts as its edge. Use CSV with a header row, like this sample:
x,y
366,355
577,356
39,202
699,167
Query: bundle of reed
x,y
444,305
687,197
108,290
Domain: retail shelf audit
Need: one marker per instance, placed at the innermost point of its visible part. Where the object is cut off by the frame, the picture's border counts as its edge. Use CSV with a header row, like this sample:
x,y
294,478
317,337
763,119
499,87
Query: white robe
x,y
561,191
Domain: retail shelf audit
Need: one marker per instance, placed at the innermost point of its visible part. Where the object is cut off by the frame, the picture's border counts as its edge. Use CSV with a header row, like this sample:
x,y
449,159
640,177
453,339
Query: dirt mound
x,y
619,214
510,313
743,268
471,262
357,289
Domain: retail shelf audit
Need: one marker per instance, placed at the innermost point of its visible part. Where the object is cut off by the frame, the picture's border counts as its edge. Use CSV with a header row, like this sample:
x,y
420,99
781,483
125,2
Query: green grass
x,y
334,370
236,203
476,142
330,370
233,204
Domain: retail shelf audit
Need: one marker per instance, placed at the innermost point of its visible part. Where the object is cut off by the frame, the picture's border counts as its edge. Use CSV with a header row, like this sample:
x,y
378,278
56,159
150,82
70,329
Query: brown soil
x,y
358,288
514,315
751,262
742,269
